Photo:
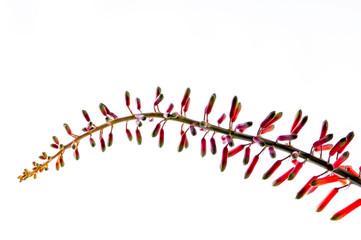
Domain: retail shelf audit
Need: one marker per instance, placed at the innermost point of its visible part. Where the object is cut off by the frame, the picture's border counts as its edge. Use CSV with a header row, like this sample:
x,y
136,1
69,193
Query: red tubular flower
x,y
243,126
272,151
170,108
182,142
297,120
235,150
340,214
324,147
92,142
327,199
251,166
236,112
110,139
268,119
324,129
138,135
233,107
311,190
156,130
185,97
76,154
186,106
213,146
158,100
349,137
274,119
321,181
305,188
161,138
86,115
210,103
282,178
221,119
258,141
338,145
341,159
295,171
56,140
67,129
272,169
129,134
102,144
349,169
224,158
247,153
288,137
268,129
103,109
203,147
57,165
139,104
127,99
298,128
323,140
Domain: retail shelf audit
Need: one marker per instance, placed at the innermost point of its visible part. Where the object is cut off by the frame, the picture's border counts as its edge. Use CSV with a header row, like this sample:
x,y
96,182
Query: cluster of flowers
x,y
335,172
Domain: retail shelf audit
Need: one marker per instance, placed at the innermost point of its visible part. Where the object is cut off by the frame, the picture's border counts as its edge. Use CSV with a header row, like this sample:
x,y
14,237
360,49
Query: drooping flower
x,y
327,199
247,153
213,145
272,169
341,159
298,128
325,180
340,214
297,119
251,166
305,188
295,171
203,146
224,158
282,178
235,150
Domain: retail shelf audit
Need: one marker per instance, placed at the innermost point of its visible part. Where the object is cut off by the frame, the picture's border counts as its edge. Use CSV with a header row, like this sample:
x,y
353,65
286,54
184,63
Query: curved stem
x,y
236,135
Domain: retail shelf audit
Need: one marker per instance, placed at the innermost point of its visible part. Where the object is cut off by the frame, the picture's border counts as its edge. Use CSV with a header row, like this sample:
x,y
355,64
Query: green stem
x,y
236,135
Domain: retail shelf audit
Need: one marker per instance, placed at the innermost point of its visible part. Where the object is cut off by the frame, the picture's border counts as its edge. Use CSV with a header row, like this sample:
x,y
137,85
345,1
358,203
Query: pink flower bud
x,y
67,128
258,141
56,140
129,134
341,159
282,178
185,97
103,109
235,150
127,99
268,129
274,119
224,158
186,106
158,100
289,137
161,138
156,130
139,104
92,142
221,119
340,214
158,92
349,137
138,136
203,147
102,144
61,161
324,129
324,147
327,199
193,130
213,145
233,107
337,146
251,166
295,171
323,140
272,169
210,104
236,112
297,119
324,180
170,108
86,115
305,188
247,153
243,126
268,119
182,142
110,139
297,129
76,154
272,151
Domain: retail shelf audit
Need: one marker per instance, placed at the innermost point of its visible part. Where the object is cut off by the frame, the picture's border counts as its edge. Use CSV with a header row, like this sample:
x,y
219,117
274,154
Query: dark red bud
x,y
341,159
159,99
224,158
186,106
235,150
271,170
210,103
185,97
221,119
102,144
103,109
86,115
247,153
213,145
258,141
161,138
337,146
349,137
203,147
110,139
156,130
251,166
139,136
129,134
327,199
233,107
297,129
56,140
53,145
323,140
272,151
297,119
76,154
170,108
268,119
282,178
193,130
324,129
67,128
92,142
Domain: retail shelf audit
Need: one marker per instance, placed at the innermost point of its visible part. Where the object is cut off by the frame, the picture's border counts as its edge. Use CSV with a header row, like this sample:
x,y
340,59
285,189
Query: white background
x,y
59,57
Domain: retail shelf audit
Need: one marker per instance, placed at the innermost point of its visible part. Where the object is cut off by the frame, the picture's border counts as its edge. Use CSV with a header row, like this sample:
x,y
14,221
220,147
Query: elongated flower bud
x,y
61,161
57,165
127,98
337,146
224,158
298,128
297,119
236,112
295,171
67,129
53,145
324,129
288,137
282,178
203,147
327,199
193,130
324,147
186,106
274,119
158,92
340,214
341,159
258,141
86,115
268,119
272,169
185,97
268,129
56,140
156,130
323,140
139,136
349,137
243,126
324,180
229,140
92,142
233,107
247,153
129,134
210,103
272,151
213,145
305,188
251,166
139,104
76,154
158,100
102,144
235,150
103,109
161,138
110,139
170,108
221,119
182,142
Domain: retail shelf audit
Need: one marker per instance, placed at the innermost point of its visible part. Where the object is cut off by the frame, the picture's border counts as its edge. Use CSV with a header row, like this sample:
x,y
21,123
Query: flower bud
x,y
235,150
139,104
156,130
193,130
297,119
185,97
268,119
272,151
236,112
321,181
297,129
267,129
86,116
305,188
139,136
224,158
182,142
233,107
258,141
243,126
340,214
103,109
327,199
323,140
213,145
170,108
127,99
247,153
186,106
282,178
295,171
53,145
229,140
289,137
56,140
61,161
203,147
92,142
161,138
158,100
221,119
341,159
349,137
337,146
102,144
67,129
129,134
158,92
251,166
76,154
272,169
110,139
210,103
324,129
